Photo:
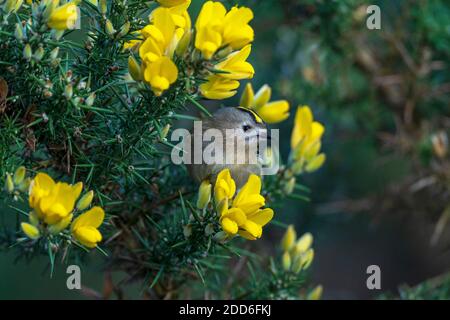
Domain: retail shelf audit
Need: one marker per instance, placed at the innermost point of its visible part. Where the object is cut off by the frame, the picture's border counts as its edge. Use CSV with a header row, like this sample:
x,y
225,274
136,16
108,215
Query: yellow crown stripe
x,y
253,113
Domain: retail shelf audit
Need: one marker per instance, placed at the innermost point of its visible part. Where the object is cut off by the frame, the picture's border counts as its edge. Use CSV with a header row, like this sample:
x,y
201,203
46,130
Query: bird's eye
x,y
246,127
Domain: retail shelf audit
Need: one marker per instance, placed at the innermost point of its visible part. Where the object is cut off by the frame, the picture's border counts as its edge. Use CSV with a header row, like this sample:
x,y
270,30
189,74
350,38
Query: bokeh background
x,y
383,195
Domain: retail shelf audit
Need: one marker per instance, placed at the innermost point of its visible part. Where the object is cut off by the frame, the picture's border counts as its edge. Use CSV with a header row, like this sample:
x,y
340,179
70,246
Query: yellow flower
x,y
209,25
178,13
245,217
31,231
225,186
85,228
215,28
236,31
63,17
204,194
173,3
289,238
9,185
160,74
219,88
306,142
271,112
52,201
235,67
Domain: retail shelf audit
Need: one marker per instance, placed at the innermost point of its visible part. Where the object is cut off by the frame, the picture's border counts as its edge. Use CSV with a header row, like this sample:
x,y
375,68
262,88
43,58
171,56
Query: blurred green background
x,y
382,95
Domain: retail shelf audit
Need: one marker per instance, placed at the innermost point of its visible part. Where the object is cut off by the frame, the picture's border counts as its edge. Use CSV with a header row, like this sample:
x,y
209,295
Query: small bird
x,y
247,130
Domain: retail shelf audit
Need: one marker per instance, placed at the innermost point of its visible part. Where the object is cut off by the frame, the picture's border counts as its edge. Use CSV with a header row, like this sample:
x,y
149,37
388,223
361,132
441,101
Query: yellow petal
x,y
247,96
274,112
93,218
87,236
262,97
235,66
253,228
85,200
236,215
315,163
229,226
251,187
262,217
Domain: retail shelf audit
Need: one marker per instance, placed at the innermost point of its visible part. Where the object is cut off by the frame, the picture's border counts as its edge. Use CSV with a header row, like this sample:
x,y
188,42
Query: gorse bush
x,y
88,96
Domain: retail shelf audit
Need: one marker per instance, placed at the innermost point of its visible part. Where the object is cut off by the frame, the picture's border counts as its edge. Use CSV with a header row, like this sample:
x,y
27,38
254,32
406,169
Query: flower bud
x,y
303,243
308,258
124,30
19,175
290,185
18,32
9,185
286,261
27,52
209,230
31,231
24,186
165,132
187,230
54,53
85,201
39,54
110,31
102,6
134,69
316,293
289,238
220,237
440,144
90,100
68,91
204,194
183,43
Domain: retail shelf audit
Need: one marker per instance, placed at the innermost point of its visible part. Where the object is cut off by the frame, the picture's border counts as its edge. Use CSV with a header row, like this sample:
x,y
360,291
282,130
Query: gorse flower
x,y
217,87
217,28
235,66
85,227
242,215
306,142
271,112
62,17
160,39
52,201
53,205
297,253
